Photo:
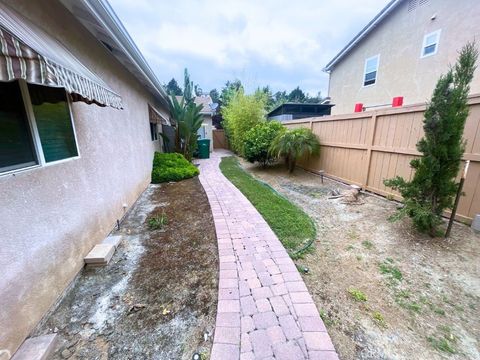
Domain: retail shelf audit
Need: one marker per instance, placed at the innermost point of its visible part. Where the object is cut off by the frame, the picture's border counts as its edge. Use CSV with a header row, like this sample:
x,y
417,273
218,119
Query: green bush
x,y
258,140
171,167
241,114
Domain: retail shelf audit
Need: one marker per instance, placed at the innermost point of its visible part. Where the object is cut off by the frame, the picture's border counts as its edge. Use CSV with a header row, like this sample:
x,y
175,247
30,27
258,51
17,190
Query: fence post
x,y
370,137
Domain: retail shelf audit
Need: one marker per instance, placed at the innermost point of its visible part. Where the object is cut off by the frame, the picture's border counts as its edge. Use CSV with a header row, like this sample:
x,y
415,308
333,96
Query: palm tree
x,y
294,144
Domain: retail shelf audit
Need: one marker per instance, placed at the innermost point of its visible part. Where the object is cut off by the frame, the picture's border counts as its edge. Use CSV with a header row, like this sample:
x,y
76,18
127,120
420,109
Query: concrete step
x,y
100,255
113,239
36,348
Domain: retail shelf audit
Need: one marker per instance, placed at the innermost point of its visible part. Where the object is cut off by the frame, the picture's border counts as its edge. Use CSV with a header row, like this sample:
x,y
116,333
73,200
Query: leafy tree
x,y
265,94
294,144
215,95
314,99
172,88
433,187
229,91
198,90
297,95
258,141
241,114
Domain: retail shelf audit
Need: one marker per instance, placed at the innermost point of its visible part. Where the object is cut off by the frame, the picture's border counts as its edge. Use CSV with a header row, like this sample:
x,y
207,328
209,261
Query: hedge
x,y
171,167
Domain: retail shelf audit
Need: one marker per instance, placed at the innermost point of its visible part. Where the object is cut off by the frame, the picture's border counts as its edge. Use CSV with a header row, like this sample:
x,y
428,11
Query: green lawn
x,y
293,227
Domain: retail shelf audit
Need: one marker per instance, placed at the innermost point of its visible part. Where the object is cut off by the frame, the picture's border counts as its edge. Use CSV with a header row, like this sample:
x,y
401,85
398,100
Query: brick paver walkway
x,y
264,308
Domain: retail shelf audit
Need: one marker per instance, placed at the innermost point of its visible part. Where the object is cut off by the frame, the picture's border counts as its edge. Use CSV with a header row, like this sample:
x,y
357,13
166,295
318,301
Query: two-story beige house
x,y
402,52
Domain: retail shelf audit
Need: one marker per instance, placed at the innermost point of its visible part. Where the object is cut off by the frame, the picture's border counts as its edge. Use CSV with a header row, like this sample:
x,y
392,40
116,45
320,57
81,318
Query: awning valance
x,y
28,52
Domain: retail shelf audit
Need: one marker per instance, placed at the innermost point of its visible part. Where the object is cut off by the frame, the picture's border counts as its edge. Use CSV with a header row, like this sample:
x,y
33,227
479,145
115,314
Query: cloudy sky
x,y
279,43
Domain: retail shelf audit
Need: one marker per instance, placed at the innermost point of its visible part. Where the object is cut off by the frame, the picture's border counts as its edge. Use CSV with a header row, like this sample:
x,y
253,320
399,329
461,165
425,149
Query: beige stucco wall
x,y
207,122
398,40
51,217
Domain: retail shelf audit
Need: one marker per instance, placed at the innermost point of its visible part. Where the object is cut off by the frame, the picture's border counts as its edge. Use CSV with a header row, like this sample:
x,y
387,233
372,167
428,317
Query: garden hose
x,y
302,250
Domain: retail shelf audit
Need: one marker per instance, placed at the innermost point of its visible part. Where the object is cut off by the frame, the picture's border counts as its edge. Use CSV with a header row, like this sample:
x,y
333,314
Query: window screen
x,y
16,146
52,116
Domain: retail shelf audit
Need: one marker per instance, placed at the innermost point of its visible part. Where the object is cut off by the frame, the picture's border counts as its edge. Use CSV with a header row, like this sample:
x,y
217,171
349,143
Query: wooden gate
x,y
219,139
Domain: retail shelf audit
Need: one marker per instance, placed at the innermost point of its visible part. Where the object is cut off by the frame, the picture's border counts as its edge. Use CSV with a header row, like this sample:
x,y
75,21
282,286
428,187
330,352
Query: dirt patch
x,y
158,296
383,290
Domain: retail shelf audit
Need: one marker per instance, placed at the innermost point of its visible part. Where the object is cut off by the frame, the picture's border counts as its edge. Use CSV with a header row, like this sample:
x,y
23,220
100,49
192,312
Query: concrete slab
x,y
113,240
100,254
36,348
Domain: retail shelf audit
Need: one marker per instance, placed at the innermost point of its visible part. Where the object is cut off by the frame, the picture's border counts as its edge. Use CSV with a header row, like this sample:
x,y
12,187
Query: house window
x,y
371,69
430,43
35,126
154,131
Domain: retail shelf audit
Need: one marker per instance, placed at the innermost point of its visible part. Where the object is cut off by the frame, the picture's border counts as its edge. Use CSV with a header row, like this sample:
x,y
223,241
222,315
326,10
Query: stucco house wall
x,y
52,216
398,39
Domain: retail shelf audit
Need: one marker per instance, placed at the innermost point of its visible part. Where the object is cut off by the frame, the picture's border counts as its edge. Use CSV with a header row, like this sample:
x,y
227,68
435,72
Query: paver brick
x,y
265,320
289,327
248,305
301,297
311,323
323,355
318,341
247,324
228,319
228,294
261,293
296,286
279,306
275,334
263,305
306,309
292,276
228,306
227,335
288,351
224,351
261,344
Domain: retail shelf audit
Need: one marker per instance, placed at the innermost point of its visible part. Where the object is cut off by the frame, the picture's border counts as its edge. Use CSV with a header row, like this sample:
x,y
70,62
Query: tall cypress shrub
x,y
433,187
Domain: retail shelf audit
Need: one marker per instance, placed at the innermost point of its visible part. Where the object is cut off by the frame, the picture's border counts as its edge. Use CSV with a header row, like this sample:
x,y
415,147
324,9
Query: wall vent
x,y
412,5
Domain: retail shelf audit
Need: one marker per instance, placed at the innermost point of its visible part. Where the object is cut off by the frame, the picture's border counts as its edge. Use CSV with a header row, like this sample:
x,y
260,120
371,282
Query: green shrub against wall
x,y
258,141
172,167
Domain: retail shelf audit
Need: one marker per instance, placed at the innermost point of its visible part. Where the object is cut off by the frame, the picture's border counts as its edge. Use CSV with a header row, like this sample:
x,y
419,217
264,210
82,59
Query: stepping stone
x,y
36,348
113,240
100,255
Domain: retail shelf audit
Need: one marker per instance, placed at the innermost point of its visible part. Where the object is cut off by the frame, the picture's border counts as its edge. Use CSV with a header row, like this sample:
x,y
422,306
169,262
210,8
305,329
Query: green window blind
x,y
54,124
16,146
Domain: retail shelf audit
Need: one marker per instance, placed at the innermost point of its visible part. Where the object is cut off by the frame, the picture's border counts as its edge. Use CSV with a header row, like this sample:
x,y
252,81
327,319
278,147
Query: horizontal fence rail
x,y
366,148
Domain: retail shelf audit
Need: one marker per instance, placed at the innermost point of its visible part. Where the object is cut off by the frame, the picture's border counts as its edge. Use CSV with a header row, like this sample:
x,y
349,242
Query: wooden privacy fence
x,y
366,148
219,139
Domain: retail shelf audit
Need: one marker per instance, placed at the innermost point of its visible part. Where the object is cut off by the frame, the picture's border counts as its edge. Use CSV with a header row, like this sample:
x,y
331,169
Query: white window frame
x,y
36,141
424,43
365,70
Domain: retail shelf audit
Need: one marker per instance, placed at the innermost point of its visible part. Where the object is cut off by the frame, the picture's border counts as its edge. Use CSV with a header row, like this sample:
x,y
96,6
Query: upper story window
x,y
430,43
370,71
35,126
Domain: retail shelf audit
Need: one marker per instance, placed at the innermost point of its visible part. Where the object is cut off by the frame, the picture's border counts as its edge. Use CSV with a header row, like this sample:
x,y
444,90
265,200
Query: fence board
x,y
367,148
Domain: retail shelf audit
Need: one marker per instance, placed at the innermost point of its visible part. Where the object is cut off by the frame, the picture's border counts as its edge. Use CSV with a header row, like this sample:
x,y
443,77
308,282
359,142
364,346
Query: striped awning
x,y
28,52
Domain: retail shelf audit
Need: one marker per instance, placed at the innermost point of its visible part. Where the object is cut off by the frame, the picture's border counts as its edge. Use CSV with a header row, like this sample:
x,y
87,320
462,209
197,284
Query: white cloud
x,y
221,38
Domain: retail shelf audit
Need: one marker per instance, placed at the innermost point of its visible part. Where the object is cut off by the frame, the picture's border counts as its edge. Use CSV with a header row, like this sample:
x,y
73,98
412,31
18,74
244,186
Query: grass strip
x,y
293,227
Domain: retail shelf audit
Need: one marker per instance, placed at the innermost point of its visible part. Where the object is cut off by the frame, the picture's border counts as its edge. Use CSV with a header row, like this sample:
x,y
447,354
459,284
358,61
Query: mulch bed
x,y
157,298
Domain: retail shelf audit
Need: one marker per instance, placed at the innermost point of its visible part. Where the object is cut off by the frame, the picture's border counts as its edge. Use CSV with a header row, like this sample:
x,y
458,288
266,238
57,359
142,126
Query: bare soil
x,y
158,296
422,294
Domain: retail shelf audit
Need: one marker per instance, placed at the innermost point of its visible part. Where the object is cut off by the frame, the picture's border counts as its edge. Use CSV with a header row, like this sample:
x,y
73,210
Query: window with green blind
x,y
34,120
16,145
52,116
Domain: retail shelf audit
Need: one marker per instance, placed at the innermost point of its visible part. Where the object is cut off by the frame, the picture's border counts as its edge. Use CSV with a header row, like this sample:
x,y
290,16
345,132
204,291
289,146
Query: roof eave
x,y
104,14
364,32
